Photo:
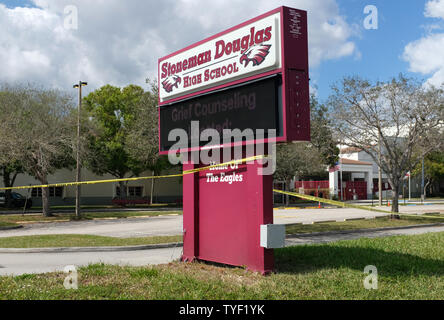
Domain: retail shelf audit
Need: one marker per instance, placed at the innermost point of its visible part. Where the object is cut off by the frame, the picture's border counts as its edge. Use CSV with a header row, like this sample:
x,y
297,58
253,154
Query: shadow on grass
x,y
306,259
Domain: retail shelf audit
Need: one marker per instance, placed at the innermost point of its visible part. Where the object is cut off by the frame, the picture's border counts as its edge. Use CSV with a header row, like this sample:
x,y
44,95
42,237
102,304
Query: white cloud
x,y
119,42
434,9
425,55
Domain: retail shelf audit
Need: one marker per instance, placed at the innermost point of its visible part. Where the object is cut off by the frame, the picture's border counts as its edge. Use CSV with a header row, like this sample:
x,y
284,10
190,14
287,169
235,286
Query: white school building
x,y
165,190
359,175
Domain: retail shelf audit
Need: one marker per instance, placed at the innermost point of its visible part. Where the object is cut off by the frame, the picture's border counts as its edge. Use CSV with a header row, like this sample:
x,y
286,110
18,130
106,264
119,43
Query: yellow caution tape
x,y
348,205
232,162
225,164
323,200
68,184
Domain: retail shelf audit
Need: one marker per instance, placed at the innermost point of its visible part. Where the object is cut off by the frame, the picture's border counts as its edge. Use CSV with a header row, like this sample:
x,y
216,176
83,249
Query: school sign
x,y
252,76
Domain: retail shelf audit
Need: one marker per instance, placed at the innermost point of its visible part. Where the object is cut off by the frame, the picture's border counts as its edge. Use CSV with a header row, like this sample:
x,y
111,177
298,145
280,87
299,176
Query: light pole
x,y
410,185
342,190
422,181
78,86
379,171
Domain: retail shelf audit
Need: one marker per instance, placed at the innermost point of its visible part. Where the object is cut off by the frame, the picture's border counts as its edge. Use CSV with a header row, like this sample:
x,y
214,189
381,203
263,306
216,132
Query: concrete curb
x,y
306,235
10,228
90,249
96,219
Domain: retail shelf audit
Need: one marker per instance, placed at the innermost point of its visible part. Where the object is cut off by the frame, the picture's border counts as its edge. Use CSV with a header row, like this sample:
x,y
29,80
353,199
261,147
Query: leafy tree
x,y
433,169
307,159
142,136
111,110
402,117
322,134
301,159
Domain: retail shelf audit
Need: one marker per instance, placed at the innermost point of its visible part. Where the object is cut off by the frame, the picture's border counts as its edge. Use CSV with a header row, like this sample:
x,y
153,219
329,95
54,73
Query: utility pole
x,y
379,170
342,191
78,168
410,193
422,181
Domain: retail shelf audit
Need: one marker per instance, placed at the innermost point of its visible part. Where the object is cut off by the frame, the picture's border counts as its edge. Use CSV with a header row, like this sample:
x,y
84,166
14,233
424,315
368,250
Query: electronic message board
x,y
256,105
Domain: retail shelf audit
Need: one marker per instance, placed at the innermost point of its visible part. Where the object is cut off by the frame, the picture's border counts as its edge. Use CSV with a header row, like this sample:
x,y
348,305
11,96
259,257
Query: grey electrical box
x,y
272,236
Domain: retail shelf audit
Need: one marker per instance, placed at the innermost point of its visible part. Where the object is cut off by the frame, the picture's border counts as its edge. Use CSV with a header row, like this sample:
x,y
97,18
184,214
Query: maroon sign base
x,y
223,209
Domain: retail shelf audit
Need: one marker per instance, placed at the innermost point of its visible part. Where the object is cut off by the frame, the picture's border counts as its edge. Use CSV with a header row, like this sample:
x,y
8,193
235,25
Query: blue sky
x,y
120,43
400,22
17,3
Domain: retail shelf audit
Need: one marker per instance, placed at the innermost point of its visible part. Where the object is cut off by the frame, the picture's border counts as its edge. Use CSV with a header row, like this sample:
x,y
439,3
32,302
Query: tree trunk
x,y
7,184
395,202
46,211
152,188
425,188
122,188
13,178
287,188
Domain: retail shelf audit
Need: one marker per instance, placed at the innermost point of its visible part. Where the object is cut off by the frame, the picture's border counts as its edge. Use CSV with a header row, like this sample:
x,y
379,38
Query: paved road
x,y
427,208
172,224
20,263
288,216
124,228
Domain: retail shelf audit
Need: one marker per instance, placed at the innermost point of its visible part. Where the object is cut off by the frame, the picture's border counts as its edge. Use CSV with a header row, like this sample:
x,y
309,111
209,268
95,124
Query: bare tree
x,y
10,165
41,133
401,115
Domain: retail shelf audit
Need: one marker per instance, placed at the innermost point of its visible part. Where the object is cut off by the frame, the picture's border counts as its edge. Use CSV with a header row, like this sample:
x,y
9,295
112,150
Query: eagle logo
x,y
171,82
256,54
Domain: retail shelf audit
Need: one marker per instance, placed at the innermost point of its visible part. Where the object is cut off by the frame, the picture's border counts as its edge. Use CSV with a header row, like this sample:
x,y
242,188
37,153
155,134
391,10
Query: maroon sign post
x,y
253,76
222,220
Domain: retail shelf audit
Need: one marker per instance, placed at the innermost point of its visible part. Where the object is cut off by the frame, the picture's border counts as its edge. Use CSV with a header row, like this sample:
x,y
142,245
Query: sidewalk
x,y
400,201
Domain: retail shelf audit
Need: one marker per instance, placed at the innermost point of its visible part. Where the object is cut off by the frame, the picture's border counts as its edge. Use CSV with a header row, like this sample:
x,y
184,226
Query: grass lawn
x,y
80,240
19,218
7,224
409,267
382,222
72,207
